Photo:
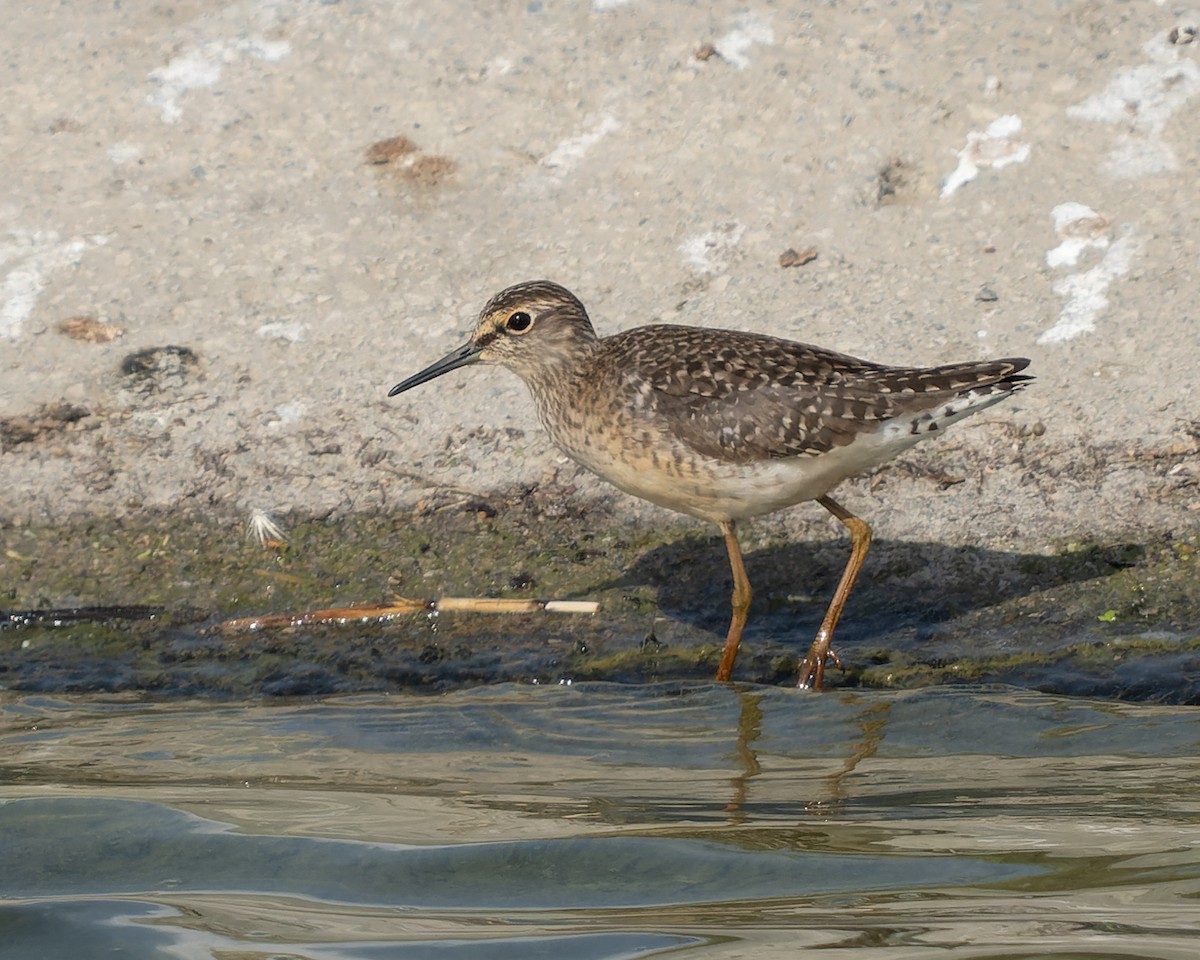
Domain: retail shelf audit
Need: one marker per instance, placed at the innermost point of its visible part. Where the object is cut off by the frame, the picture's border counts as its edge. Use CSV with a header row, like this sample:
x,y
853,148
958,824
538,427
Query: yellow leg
x,y
741,601
812,671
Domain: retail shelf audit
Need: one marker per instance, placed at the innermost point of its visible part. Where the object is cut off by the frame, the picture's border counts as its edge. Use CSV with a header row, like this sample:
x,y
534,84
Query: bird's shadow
x,y
904,585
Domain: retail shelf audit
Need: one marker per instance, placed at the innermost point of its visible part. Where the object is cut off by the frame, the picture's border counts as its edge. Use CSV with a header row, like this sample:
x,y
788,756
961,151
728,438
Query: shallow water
x,y
601,821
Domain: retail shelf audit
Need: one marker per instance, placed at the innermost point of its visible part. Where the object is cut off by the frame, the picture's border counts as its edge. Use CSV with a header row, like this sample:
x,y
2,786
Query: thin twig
x,y
382,612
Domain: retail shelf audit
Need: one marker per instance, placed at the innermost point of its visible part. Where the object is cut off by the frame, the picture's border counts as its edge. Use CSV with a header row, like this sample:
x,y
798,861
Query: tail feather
x,y
953,377
988,388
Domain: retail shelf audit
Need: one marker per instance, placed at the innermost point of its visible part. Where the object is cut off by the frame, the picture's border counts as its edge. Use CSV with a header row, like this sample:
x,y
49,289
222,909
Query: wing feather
x,y
754,397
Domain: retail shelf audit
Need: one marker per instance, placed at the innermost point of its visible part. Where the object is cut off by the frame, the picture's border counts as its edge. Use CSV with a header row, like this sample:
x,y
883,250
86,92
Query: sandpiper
x,y
721,424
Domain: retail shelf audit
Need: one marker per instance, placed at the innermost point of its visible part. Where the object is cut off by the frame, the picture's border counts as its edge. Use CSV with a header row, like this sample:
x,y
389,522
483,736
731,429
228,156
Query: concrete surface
x,y
308,201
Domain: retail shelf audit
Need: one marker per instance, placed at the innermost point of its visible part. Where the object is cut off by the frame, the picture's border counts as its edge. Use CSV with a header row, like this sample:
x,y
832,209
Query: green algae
x,y
924,613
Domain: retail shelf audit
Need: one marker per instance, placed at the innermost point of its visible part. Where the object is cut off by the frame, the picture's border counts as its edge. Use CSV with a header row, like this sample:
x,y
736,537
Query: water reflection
x,y
600,821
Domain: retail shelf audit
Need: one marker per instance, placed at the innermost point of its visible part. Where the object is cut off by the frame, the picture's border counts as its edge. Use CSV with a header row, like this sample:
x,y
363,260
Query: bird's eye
x,y
519,322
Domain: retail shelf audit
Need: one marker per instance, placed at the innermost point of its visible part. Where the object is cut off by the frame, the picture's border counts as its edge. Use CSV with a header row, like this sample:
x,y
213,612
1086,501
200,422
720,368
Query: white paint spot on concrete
x,y
1080,227
287,414
1142,100
34,254
270,50
202,67
564,157
749,28
497,67
289,331
996,147
122,153
1086,293
709,252
191,71
602,6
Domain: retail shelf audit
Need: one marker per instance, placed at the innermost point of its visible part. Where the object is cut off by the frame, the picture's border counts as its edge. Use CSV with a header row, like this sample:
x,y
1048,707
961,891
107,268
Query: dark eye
x,y
519,322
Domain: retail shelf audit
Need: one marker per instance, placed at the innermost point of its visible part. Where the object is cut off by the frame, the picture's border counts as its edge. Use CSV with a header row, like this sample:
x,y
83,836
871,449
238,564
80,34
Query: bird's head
x,y
536,329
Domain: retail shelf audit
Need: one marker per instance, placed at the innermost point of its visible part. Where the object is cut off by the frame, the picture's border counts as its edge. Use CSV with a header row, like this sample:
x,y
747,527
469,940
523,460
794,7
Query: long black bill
x,y
466,354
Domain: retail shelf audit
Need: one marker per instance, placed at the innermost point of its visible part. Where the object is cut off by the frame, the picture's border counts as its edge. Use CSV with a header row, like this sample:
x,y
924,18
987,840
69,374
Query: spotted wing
x,y
751,397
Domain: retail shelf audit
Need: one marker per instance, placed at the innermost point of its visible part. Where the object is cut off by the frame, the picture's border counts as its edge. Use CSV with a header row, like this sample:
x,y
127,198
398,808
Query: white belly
x,y
725,491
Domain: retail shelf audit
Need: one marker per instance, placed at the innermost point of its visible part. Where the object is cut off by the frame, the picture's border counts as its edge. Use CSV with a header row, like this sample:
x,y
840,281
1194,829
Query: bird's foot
x,y
812,670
